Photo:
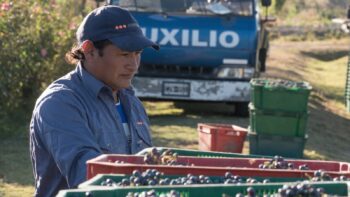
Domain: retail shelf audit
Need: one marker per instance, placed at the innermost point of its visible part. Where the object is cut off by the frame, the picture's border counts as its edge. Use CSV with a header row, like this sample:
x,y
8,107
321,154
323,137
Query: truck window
x,y
140,5
200,7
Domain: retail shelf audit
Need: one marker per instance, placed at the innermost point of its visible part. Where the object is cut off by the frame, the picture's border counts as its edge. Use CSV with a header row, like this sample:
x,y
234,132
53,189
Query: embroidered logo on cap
x,y
120,27
124,26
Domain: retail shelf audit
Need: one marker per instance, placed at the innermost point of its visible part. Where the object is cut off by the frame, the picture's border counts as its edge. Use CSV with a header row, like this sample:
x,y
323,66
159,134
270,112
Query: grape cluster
x,y
341,178
148,177
296,190
88,194
278,162
280,83
300,190
235,179
152,177
320,175
152,193
304,167
190,180
250,193
165,158
109,182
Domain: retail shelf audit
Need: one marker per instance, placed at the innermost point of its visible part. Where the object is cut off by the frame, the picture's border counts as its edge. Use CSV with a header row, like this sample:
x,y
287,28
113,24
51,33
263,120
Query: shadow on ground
x,y
329,130
326,55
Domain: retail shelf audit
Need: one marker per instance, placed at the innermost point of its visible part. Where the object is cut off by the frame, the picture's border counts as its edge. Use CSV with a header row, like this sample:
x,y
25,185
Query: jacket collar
x,y
94,86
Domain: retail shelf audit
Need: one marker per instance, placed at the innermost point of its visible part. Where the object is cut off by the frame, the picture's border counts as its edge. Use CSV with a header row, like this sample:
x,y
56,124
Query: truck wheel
x,y
241,109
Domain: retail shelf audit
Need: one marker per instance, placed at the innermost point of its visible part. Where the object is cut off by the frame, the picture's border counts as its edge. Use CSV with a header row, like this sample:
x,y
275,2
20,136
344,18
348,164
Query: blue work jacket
x,y
74,120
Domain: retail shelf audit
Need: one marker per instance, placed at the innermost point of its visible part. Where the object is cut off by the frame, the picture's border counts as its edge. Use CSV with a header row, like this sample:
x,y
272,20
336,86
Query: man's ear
x,y
87,48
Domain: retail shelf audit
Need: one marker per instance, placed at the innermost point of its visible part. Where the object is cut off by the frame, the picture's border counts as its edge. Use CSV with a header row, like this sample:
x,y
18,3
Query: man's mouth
x,y
129,76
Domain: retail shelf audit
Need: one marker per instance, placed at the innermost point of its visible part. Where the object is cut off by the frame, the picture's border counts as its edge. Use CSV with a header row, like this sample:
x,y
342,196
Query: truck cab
x,y
210,49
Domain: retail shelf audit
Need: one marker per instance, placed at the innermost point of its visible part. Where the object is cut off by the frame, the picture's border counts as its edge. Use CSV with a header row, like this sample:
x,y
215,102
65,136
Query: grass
x,y
323,64
175,128
15,190
333,75
16,177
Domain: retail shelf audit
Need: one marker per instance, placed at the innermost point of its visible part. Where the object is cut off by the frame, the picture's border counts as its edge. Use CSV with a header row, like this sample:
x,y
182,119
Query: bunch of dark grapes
x,y
250,193
278,162
165,158
152,193
152,177
320,175
236,179
296,190
300,190
280,83
341,178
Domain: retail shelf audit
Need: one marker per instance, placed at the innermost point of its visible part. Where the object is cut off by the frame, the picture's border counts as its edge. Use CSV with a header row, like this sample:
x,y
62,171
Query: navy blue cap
x,y
116,25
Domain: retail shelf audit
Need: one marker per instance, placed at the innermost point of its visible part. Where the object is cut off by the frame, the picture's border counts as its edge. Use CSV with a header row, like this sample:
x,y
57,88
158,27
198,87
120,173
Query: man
x,y
92,110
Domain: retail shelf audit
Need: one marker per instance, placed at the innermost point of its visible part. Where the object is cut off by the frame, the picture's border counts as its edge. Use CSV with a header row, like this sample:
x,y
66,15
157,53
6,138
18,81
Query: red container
x,y
247,167
221,137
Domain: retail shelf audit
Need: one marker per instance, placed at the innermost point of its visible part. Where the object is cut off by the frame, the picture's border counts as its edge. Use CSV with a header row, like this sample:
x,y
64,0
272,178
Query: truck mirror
x,y
266,3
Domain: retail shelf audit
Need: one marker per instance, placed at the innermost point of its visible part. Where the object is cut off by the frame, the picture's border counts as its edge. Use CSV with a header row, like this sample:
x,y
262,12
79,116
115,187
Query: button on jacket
x,y
74,120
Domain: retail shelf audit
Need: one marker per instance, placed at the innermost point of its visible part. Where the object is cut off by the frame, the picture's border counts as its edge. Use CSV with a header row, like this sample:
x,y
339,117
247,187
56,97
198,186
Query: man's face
x,y
115,67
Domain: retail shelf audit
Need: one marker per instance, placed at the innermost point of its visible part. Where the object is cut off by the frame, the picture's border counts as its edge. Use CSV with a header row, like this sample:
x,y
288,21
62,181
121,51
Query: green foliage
x,y
34,36
278,4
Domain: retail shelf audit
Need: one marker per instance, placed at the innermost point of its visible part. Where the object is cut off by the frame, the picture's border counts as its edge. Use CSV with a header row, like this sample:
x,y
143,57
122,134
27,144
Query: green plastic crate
x,y
98,179
332,188
292,147
278,98
197,153
277,122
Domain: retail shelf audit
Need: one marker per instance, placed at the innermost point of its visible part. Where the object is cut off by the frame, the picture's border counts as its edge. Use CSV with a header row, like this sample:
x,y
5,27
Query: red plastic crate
x,y
221,137
247,167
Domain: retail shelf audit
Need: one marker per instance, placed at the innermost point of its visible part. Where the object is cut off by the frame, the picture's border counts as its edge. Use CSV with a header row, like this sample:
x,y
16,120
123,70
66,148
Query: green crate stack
x,y
278,117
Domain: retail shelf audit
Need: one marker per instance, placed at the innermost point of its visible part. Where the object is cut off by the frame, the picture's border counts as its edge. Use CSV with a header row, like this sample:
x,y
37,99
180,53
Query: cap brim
x,y
133,42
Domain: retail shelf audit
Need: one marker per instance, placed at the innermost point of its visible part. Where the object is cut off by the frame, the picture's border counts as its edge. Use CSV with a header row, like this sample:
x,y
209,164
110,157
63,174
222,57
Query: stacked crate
x,y
221,137
278,117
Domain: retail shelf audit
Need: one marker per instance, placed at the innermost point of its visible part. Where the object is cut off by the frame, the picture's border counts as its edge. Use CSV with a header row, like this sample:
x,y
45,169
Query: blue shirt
x,y
75,120
123,119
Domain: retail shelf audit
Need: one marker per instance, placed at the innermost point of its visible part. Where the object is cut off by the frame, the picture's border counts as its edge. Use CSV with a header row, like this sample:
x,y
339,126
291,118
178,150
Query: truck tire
x,y
241,109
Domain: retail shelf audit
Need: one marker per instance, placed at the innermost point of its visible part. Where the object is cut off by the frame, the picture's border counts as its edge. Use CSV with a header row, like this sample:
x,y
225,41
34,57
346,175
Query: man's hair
x,y
76,53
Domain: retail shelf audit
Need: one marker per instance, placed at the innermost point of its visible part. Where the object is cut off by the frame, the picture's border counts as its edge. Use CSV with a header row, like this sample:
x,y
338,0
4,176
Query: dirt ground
x,y
329,122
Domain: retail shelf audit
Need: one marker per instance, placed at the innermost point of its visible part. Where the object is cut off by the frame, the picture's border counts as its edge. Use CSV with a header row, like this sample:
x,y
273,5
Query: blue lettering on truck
x,y
192,37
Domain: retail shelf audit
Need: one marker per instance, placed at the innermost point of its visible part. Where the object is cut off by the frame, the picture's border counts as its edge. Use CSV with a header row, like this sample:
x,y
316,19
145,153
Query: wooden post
x,y
347,85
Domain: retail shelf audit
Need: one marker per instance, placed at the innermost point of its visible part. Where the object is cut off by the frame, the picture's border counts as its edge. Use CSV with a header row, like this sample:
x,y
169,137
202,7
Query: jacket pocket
x,y
144,138
109,139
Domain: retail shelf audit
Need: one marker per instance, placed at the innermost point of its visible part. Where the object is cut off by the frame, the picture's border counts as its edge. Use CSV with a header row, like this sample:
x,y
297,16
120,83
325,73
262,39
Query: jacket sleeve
x,y
63,128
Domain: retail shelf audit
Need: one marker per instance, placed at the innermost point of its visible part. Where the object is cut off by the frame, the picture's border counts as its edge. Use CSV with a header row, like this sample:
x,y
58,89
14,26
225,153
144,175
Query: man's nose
x,y
134,61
